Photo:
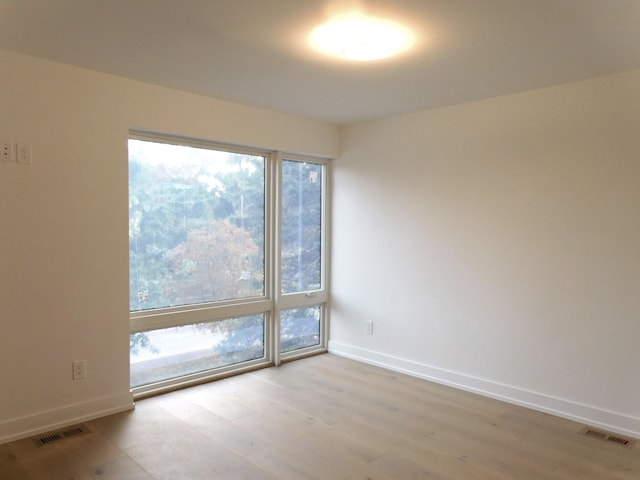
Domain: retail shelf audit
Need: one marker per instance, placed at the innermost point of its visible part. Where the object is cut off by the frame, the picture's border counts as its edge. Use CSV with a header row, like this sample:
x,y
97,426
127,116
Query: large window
x,y
227,259
196,225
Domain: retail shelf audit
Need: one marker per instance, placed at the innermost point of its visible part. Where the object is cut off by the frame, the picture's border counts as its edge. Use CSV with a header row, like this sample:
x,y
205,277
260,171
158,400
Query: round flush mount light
x,y
360,38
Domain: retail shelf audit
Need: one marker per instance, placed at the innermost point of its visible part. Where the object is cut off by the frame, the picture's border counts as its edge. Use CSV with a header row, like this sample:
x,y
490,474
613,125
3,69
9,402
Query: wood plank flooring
x,y
325,418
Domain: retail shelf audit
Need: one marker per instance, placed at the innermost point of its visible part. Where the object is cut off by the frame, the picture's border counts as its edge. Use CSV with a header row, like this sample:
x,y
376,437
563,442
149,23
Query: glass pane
x,y
169,353
301,226
196,225
299,328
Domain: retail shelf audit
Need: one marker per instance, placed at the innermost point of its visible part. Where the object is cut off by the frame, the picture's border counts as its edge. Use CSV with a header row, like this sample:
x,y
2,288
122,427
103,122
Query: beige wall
x,y
496,246
64,226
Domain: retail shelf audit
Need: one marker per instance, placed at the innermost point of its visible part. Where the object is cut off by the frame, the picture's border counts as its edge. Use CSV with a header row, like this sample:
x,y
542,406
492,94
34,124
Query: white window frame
x,y
272,302
319,297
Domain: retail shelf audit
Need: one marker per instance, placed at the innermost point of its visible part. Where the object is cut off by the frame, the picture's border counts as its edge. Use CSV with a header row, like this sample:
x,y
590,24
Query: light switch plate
x,y
7,153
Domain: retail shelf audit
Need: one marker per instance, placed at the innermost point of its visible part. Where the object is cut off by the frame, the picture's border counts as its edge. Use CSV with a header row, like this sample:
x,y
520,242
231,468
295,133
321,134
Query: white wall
x,y
496,246
64,227
493,244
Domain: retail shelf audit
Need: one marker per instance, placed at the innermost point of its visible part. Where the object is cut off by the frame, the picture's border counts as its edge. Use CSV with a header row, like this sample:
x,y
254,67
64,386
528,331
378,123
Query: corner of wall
x,y
585,414
41,422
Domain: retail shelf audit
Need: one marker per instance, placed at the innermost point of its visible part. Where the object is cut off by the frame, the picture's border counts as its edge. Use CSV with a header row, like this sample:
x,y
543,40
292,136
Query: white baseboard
x,y
41,422
585,414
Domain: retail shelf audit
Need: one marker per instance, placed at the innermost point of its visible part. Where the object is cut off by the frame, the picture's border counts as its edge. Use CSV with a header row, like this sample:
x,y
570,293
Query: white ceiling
x,y
255,51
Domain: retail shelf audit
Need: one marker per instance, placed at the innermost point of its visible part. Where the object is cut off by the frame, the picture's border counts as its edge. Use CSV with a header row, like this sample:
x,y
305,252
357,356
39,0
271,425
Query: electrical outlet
x,y
23,153
79,369
6,152
369,327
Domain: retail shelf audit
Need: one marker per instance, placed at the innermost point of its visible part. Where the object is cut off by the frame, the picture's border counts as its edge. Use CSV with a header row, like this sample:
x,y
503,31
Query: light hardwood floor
x,y
325,418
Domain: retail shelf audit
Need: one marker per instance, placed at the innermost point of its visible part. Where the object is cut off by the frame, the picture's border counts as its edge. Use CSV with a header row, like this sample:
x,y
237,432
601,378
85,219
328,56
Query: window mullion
x,y
277,254
152,321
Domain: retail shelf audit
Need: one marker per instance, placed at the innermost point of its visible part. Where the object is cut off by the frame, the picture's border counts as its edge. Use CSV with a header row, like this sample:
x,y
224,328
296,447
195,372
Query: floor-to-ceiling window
x,y
302,292
227,259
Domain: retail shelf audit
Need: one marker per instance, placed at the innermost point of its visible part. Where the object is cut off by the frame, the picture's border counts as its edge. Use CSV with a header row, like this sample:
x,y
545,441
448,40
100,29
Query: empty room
x,y
319,239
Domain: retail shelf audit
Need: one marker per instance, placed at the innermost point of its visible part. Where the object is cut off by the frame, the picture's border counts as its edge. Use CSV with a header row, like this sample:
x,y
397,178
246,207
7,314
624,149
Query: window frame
x,y
318,297
273,301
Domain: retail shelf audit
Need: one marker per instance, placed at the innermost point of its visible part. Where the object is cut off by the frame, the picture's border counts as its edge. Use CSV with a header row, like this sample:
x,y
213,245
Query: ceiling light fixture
x,y
361,38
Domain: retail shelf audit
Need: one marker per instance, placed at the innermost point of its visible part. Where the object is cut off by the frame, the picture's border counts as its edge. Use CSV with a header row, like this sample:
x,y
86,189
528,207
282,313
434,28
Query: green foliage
x,y
196,230
299,328
213,263
197,234
301,226
138,341
241,335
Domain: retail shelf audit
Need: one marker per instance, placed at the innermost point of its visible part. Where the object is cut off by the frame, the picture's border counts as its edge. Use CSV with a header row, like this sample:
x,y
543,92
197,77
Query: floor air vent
x,y
68,432
608,437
